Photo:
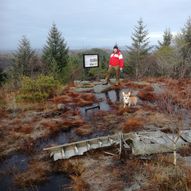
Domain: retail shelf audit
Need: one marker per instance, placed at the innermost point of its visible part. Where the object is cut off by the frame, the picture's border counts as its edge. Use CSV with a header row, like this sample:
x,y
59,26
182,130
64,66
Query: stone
x,y
101,88
83,89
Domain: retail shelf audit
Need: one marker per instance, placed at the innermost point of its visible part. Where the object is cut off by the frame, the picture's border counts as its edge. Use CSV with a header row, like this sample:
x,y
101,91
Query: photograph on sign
x,y
90,60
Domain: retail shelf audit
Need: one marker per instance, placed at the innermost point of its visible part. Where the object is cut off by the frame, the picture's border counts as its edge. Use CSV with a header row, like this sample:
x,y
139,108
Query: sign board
x,y
90,60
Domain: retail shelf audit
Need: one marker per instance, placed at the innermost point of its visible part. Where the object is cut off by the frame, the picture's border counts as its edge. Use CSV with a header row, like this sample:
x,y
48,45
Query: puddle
x,y
11,165
18,163
113,96
55,182
16,160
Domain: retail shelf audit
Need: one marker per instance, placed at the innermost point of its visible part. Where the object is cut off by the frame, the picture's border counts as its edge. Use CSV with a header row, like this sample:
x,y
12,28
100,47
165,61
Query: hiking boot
x,y
105,83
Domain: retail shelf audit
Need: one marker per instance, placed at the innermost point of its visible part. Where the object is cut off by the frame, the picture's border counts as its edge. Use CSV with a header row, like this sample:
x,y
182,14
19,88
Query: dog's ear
x,y
129,93
123,93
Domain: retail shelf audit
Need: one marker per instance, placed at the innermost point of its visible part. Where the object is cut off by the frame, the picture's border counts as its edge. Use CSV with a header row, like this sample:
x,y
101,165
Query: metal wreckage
x,y
140,143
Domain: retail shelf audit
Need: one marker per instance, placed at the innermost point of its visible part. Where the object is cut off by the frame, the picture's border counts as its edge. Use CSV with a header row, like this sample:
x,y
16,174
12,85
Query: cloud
x,y
88,22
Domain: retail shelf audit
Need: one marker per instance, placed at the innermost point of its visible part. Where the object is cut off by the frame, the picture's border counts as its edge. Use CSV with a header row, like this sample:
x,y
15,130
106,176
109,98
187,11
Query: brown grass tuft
x,y
122,110
73,94
171,178
88,97
62,99
54,126
135,85
78,184
16,121
185,151
82,103
163,175
180,91
25,129
133,124
72,167
79,99
146,95
100,113
148,88
77,121
27,146
84,130
3,113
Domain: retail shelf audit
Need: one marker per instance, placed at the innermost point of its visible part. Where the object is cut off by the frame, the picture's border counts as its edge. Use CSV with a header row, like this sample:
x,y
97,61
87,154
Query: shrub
x,y
41,88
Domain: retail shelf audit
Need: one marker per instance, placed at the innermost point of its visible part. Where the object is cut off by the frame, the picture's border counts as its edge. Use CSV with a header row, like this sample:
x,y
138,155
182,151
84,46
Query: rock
x,y
83,89
80,82
159,88
101,88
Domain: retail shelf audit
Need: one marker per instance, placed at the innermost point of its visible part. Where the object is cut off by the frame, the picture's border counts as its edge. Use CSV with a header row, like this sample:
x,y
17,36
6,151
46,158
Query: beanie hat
x,y
115,47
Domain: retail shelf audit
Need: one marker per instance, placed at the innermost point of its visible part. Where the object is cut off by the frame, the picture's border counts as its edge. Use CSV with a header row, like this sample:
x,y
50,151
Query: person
x,y
116,63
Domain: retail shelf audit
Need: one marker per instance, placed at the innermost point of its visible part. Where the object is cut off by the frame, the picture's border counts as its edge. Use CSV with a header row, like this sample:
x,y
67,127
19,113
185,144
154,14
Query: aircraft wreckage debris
x,y
141,143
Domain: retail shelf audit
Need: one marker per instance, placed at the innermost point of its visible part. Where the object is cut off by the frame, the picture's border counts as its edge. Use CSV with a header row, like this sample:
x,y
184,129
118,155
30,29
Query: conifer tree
x,y
167,39
23,57
186,36
55,52
139,48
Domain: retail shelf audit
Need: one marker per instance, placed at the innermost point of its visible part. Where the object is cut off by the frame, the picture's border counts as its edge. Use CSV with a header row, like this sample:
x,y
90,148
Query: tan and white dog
x,y
128,99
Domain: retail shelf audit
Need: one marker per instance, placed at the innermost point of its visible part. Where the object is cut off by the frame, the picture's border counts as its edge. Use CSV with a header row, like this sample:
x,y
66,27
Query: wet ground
x,y
106,120
17,162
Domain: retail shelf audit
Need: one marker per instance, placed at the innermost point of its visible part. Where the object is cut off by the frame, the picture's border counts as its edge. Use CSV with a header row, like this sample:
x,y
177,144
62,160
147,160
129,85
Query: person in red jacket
x,y
116,63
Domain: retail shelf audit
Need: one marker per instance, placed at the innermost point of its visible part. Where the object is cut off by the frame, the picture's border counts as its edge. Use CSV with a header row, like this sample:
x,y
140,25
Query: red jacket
x,y
116,59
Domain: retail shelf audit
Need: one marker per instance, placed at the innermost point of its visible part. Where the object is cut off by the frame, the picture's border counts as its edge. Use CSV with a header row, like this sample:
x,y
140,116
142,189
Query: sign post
x,y
90,60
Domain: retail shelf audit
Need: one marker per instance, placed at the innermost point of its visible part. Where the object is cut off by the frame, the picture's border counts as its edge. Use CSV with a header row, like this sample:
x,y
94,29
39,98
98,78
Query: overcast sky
x,y
88,23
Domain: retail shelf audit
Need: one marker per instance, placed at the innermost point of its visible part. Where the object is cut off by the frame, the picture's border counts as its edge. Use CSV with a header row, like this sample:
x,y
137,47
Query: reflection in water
x,y
110,98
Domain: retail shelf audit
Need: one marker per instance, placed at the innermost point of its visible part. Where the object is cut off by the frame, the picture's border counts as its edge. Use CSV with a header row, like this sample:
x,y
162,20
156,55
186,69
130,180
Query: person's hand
x,y
121,69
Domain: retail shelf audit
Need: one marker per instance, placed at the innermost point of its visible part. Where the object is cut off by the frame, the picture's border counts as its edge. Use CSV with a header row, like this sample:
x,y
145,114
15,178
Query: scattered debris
x,y
141,143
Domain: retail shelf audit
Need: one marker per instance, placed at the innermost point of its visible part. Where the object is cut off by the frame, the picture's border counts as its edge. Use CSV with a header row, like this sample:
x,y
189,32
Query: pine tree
x,y
23,57
167,39
186,35
139,48
55,52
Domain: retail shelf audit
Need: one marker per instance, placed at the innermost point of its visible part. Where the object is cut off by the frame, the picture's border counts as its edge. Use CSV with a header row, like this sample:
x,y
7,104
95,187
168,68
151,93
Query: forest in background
x,y
170,58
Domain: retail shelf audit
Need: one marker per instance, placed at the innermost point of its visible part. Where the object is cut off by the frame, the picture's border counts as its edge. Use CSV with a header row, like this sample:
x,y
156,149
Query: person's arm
x,y
121,62
110,60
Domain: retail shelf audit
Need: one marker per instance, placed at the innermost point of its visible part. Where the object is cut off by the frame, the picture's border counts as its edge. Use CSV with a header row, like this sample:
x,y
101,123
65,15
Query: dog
x,y
128,99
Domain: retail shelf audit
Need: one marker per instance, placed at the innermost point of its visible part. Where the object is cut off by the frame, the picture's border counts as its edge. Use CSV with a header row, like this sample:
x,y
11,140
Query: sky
x,y
88,23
